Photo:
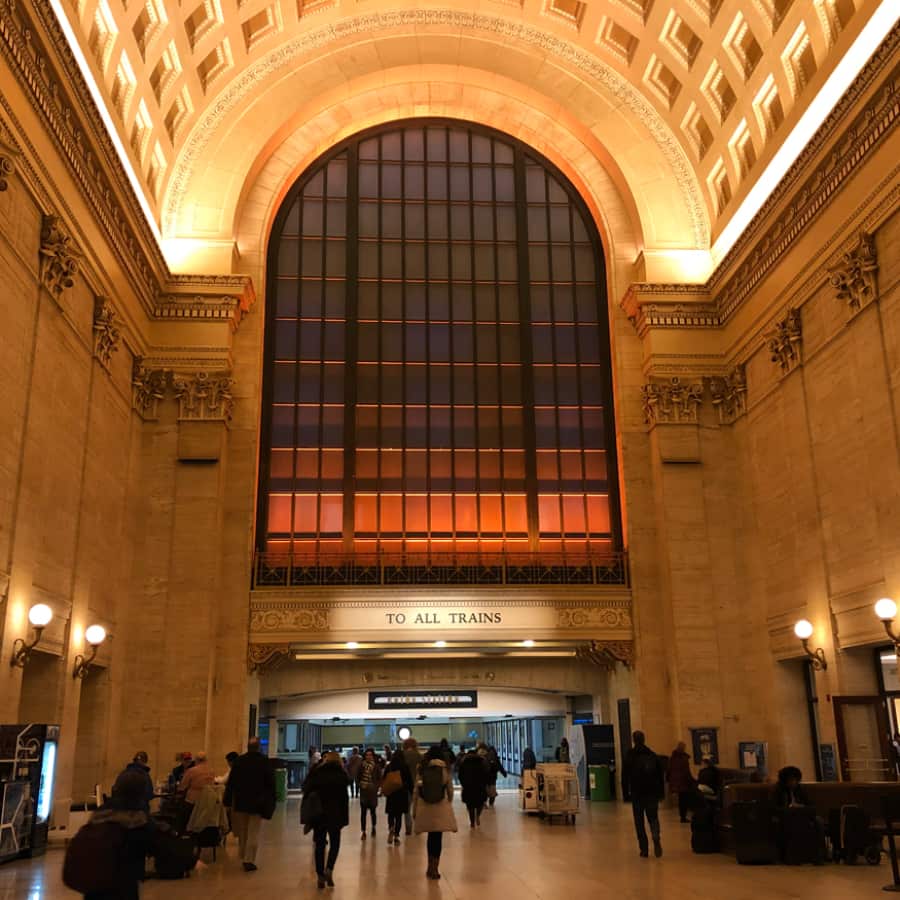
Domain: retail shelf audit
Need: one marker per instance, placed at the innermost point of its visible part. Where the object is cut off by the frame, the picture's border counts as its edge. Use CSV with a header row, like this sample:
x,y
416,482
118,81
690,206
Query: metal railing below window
x,y
271,570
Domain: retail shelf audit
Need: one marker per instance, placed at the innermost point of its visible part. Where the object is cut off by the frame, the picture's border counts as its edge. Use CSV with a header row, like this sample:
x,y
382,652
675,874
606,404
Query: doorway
x,y
862,733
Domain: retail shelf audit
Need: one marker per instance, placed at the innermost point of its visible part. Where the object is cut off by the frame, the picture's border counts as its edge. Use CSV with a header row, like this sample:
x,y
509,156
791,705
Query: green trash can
x,y
281,785
600,782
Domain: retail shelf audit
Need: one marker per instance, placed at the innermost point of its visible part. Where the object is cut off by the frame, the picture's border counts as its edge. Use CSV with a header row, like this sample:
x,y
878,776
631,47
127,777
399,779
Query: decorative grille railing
x,y
290,571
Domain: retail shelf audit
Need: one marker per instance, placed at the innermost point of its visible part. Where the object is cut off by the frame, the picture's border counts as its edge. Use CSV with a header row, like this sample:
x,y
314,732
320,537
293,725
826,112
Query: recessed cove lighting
x,y
352,645
528,643
440,643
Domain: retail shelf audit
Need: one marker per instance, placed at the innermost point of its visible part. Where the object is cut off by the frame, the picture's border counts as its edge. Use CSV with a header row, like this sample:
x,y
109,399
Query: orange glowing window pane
x,y
331,508
278,547
441,465
305,513
308,465
573,514
548,513
466,513
598,514
570,465
441,514
392,469
491,514
416,513
516,513
279,513
547,467
366,511
391,517
513,464
595,465
367,464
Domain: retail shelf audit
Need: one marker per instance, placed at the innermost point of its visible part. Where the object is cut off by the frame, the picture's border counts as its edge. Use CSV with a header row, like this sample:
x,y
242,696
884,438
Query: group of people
x,y
418,790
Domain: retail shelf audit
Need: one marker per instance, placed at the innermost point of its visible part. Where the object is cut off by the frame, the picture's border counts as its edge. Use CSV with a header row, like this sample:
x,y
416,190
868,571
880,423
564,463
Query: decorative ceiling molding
x,y
419,19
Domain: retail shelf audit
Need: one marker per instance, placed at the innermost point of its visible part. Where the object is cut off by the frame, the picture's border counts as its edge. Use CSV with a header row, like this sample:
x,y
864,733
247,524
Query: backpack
x,y
645,772
93,858
311,809
392,783
431,790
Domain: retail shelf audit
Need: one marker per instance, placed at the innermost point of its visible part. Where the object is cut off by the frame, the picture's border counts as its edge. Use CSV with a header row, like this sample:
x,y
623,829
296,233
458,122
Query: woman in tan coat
x,y
433,806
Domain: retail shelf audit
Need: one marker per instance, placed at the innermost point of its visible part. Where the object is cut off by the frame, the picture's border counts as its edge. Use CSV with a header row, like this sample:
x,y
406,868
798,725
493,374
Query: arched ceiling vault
x,y
687,105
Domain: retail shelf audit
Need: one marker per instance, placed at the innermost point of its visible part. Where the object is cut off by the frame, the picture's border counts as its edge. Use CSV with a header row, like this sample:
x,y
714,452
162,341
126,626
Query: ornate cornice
x,y
650,306
58,257
420,19
606,654
262,657
107,333
192,298
855,275
129,237
671,402
729,395
785,341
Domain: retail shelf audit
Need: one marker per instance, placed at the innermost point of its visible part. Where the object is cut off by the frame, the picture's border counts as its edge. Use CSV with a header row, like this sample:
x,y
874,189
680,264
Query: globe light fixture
x,y
94,635
440,644
39,616
404,733
803,629
886,610
352,645
528,643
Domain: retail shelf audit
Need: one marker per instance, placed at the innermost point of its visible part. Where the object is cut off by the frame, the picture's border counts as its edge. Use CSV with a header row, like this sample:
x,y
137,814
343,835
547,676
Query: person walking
x,y
681,781
250,795
643,783
413,759
495,769
473,777
369,781
330,782
397,787
354,761
433,807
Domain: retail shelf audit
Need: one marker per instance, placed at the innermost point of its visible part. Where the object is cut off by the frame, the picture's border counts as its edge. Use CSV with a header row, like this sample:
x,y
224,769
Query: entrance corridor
x,y
510,856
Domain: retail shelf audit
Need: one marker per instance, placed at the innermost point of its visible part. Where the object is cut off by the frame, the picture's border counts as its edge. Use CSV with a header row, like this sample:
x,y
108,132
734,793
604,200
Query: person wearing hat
x,y
140,765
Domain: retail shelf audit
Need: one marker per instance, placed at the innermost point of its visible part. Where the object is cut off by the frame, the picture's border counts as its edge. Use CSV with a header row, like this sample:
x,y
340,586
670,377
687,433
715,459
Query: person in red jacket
x,y
681,781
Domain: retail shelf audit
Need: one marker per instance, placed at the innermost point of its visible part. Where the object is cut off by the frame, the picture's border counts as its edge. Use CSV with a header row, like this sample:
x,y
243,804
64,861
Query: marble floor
x,y
510,856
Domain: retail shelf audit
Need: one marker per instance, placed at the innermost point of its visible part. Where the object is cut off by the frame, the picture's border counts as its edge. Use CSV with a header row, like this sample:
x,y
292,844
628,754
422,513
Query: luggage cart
x,y
558,792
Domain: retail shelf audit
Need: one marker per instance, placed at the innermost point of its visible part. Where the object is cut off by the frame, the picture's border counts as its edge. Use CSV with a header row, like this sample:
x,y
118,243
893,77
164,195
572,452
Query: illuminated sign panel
x,y
422,700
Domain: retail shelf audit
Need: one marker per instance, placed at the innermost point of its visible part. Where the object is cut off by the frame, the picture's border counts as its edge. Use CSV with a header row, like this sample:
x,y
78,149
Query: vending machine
x,y
27,774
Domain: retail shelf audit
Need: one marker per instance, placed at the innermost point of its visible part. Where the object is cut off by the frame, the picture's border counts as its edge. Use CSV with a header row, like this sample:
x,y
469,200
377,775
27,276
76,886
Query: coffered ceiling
x,y
716,86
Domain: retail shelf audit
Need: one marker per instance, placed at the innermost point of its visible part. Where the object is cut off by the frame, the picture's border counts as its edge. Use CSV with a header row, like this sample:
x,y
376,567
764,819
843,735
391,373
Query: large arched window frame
x,y
437,361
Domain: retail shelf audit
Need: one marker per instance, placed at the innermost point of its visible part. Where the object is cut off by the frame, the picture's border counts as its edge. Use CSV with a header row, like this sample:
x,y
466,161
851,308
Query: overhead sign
x,y
423,699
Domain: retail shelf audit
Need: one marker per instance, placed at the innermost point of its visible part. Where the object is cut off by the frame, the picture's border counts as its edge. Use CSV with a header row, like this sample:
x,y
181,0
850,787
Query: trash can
x,y
600,783
281,785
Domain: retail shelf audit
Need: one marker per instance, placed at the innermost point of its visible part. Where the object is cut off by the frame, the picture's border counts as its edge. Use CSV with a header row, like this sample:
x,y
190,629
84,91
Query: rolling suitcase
x,y
754,830
174,856
803,835
856,836
704,838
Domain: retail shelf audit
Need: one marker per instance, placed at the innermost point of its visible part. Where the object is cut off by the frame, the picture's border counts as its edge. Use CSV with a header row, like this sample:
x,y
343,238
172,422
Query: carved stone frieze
x,y
672,402
289,620
729,395
7,166
58,257
262,657
607,653
204,396
594,617
785,341
855,277
148,387
107,334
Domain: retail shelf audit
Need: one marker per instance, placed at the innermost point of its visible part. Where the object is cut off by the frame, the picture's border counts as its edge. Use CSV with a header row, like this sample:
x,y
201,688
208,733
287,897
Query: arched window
x,y
437,367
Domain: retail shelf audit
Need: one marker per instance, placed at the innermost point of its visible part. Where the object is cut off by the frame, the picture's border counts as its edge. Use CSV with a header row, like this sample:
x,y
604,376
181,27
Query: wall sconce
x,y
886,610
39,615
95,635
804,630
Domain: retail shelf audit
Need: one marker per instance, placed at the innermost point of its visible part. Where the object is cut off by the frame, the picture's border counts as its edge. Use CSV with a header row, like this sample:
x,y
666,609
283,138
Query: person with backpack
x,y
369,782
433,807
473,776
397,787
250,795
328,782
105,859
643,783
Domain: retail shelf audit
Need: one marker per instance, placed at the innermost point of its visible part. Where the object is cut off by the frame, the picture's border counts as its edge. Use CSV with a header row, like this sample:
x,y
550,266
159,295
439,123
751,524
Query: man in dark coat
x,y
250,795
681,781
643,782
330,782
474,777
139,765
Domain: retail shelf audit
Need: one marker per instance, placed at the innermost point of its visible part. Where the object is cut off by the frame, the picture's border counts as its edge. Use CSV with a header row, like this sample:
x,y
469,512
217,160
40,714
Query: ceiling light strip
x,y
100,103
845,72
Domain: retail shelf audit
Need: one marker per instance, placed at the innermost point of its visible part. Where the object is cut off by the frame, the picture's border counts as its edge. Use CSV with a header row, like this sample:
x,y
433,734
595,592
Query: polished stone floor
x,y
511,856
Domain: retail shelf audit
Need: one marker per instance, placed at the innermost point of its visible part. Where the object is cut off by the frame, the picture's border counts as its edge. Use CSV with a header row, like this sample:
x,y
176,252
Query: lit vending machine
x,y
27,773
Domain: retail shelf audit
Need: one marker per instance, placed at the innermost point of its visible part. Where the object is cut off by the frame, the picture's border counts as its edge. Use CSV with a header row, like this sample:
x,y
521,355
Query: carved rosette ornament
x,y
106,331
204,396
671,402
148,387
58,257
729,395
606,654
7,168
855,276
785,341
262,657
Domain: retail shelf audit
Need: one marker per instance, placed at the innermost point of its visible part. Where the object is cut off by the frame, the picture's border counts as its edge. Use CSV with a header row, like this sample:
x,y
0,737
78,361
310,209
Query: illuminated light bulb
x,y
352,645
40,615
95,635
440,643
886,609
803,629
528,643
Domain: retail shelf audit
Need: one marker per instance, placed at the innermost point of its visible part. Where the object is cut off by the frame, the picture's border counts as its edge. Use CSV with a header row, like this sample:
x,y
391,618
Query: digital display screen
x,y
48,774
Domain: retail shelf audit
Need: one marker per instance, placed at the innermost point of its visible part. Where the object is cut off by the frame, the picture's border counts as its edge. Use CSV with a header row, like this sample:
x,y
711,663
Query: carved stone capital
x,y
204,395
729,395
261,657
671,402
148,387
785,341
607,653
106,331
58,257
855,276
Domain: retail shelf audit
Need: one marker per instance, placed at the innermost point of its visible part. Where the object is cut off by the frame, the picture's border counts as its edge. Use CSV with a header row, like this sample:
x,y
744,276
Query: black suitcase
x,y
174,856
803,836
755,831
704,838
857,837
